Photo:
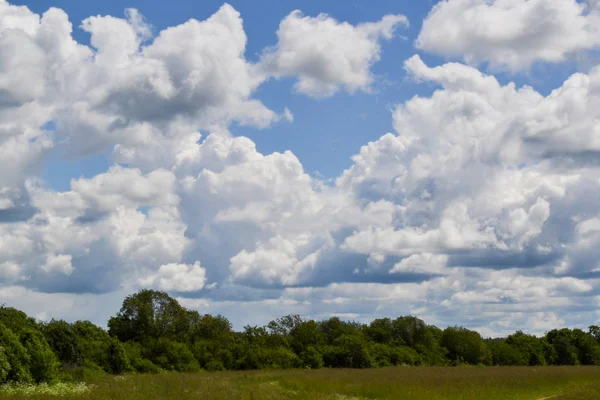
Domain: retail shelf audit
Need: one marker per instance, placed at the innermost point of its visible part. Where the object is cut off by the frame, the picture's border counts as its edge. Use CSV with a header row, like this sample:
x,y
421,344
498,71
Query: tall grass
x,y
502,383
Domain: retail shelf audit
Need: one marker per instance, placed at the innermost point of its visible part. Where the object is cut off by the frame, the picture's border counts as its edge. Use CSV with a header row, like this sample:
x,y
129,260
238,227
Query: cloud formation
x,y
510,34
479,208
327,55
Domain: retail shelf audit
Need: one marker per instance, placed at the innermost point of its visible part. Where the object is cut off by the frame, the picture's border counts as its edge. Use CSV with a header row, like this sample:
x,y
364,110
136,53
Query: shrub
x,y
145,366
214,365
4,365
117,357
172,356
17,356
43,364
311,358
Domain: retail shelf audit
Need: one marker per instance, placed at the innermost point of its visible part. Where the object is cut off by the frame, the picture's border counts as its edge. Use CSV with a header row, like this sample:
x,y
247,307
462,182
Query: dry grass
x,y
514,383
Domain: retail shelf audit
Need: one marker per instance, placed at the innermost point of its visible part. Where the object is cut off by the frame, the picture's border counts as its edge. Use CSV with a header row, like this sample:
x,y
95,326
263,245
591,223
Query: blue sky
x,y
325,133
470,202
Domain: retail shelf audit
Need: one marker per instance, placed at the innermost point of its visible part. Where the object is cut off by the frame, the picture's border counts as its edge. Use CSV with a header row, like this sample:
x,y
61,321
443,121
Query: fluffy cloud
x,y
327,55
480,208
510,34
177,278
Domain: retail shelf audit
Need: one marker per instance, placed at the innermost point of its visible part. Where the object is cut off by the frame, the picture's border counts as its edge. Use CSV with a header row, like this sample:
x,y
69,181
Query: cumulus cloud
x,y
510,34
177,278
326,55
480,208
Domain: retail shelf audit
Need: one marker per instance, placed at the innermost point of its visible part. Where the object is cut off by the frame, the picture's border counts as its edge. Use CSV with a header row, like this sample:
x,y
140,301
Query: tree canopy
x,y
152,332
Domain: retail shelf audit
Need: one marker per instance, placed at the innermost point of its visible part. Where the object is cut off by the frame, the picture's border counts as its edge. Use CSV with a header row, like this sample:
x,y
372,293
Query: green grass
x,y
502,383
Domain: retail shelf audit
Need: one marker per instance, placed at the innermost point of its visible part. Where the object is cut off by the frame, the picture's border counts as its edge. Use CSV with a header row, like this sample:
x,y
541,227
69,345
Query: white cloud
x,y
327,55
425,263
510,34
59,263
485,193
177,277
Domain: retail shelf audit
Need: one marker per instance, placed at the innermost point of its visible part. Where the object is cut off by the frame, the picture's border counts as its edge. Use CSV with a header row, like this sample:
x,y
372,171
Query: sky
x,y
322,158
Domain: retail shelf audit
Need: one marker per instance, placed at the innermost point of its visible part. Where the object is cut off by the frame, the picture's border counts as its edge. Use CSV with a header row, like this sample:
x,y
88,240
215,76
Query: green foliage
x,y
531,347
171,355
63,340
505,354
84,372
465,346
214,365
153,333
17,321
118,361
348,351
17,357
4,366
43,364
149,314
311,358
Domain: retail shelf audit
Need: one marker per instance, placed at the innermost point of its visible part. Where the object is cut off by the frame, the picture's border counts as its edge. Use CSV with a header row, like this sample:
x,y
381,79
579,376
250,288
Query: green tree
x,y
505,354
348,351
465,345
118,361
63,340
17,321
4,366
563,349
16,355
171,355
334,327
43,364
150,314
381,330
531,347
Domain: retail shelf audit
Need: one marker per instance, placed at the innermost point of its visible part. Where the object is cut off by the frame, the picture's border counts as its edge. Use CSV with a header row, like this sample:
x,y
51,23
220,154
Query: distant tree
x,y
505,354
171,355
63,340
381,330
563,349
465,345
334,327
594,331
530,347
284,325
305,335
149,314
348,351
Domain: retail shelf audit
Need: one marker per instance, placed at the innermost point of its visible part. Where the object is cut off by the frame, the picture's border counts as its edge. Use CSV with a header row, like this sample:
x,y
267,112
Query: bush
x,y
172,356
214,366
348,351
86,372
465,345
311,358
43,364
117,357
16,355
63,340
145,366
505,354
404,355
4,366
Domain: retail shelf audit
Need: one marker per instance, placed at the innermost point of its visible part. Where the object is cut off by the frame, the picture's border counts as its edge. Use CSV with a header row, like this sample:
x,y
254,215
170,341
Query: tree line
x,y
153,333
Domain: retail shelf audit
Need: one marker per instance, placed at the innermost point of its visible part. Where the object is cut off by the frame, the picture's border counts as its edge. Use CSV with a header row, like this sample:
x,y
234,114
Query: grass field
x,y
502,383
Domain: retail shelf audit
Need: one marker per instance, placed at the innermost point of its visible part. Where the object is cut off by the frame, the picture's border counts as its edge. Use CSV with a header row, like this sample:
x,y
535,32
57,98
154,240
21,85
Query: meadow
x,y
421,383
